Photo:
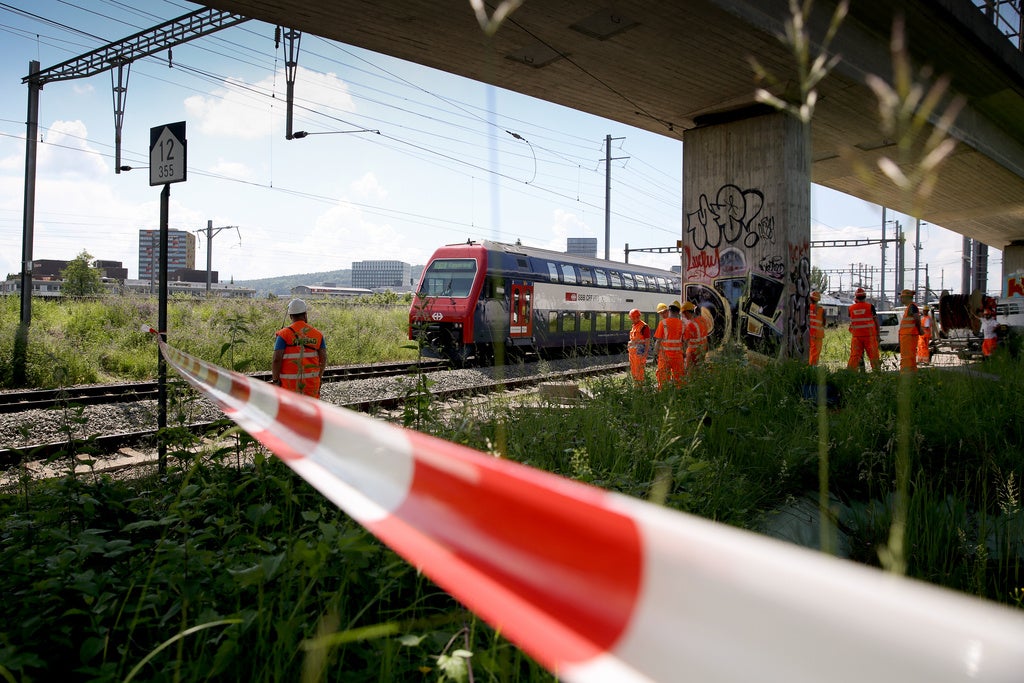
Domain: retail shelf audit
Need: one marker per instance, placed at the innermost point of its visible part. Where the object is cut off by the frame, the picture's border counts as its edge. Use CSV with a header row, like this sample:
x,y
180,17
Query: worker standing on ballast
x,y
924,351
817,316
639,345
300,354
864,328
691,338
669,340
910,332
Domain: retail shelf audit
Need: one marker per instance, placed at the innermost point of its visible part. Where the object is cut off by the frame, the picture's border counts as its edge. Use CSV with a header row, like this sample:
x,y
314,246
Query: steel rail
x,y
43,399
99,445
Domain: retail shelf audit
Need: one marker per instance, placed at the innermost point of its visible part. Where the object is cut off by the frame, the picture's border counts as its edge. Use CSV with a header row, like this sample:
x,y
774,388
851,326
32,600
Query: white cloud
x,y
369,187
245,111
66,152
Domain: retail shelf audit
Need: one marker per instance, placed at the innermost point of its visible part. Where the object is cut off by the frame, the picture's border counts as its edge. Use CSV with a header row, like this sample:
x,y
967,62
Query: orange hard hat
x,y
634,314
859,294
815,296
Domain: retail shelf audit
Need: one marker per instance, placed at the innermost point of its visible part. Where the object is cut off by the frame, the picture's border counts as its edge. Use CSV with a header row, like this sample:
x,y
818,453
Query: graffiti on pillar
x,y
701,265
798,327
1014,286
733,217
747,308
710,264
773,266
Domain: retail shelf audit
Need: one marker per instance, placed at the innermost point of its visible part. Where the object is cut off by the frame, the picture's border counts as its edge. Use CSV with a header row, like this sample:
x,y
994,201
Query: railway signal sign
x,y
167,158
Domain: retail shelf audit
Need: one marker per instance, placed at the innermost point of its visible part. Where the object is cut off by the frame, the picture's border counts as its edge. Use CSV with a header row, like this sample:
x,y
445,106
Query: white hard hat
x,y
296,306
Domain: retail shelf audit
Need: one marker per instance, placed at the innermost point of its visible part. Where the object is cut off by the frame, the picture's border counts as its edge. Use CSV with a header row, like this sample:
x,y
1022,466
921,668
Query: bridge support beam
x,y
1013,258
746,236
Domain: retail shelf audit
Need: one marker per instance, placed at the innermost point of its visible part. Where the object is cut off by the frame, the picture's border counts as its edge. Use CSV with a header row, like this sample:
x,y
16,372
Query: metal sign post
x,y
167,164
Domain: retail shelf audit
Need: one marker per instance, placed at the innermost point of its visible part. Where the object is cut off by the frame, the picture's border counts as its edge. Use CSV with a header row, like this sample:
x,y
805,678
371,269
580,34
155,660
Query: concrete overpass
x,y
671,67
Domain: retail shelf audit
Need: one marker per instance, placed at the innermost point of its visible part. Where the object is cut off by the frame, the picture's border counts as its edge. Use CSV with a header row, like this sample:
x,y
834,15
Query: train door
x,y
520,310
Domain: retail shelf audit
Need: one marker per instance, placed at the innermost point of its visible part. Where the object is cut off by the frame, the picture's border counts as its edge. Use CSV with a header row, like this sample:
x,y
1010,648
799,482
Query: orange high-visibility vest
x,y
300,369
908,324
639,337
817,321
670,332
862,321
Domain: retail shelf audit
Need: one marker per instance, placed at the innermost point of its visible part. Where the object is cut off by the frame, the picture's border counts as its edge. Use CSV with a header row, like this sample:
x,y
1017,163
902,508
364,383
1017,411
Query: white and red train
x,y
478,302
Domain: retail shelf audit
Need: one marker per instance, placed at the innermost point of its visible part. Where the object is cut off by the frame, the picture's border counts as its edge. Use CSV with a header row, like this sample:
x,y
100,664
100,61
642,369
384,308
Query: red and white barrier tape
x,y
598,586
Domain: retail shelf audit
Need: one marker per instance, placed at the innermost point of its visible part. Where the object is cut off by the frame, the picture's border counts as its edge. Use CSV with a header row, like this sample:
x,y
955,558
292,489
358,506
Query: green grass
x,y
90,341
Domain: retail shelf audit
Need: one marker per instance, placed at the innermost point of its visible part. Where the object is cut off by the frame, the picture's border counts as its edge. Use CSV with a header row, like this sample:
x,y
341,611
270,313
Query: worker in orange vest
x,y
817,316
691,337
910,332
639,345
924,352
669,343
864,327
702,317
300,354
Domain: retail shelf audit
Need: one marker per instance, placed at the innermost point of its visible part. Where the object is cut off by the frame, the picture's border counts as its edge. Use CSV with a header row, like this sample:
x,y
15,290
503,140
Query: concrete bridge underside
x,y
669,67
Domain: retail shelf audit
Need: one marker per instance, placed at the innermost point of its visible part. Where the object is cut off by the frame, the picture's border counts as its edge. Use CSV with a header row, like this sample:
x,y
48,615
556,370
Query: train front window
x,y
449,277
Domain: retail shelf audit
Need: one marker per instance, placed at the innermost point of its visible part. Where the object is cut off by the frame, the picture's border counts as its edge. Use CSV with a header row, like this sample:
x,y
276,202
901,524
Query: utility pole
x,y
210,232
965,268
608,158
884,244
917,256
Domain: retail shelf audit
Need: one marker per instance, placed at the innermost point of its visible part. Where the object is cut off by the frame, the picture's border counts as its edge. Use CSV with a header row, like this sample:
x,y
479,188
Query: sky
x,y
400,159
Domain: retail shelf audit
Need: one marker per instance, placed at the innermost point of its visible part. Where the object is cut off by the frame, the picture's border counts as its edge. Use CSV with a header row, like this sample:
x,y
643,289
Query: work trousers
x,y
861,346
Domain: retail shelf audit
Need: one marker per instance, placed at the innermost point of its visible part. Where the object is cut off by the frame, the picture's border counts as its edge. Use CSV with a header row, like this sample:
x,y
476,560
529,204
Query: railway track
x,y
42,399
105,445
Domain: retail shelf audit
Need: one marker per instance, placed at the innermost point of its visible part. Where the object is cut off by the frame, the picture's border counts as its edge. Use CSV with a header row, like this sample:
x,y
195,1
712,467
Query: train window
x,y
568,321
553,272
601,277
616,279
586,275
601,322
664,285
448,277
553,321
615,322
522,263
568,274
627,281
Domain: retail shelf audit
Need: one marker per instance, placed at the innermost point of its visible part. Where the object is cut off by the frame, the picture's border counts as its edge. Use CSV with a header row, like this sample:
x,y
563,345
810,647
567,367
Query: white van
x,y
889,329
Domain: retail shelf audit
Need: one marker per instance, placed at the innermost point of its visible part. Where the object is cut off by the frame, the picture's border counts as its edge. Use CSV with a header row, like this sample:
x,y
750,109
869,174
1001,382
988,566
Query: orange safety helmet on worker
x,y
864,328
639,345
300,353
817,318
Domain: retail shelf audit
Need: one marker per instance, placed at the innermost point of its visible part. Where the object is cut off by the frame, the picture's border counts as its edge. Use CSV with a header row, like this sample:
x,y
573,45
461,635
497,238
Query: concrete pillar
x,y
746,236
1013,269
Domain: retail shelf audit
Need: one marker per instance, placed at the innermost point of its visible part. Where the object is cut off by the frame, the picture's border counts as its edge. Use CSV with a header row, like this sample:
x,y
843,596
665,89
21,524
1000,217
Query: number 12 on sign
x,y
167,154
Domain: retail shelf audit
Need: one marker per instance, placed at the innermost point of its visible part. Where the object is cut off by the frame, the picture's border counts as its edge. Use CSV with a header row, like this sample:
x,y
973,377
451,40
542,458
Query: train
x,y
489,302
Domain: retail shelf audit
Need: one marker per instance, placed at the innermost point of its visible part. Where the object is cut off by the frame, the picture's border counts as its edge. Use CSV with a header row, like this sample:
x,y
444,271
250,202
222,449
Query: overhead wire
x,y
430,152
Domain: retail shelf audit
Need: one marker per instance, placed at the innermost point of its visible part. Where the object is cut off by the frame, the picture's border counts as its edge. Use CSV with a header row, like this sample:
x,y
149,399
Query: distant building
x,y
190,275
326,291
111,269
181,252
48,268
581,246
393,275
